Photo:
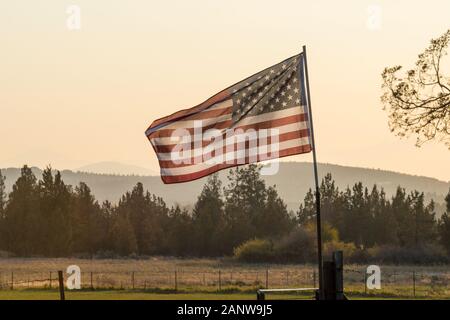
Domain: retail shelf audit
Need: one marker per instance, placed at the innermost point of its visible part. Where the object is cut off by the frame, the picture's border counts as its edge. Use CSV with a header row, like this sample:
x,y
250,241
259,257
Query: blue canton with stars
x,y
276,88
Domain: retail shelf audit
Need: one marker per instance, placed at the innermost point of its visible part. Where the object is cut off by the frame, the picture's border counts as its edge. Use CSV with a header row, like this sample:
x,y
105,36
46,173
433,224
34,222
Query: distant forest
x,y
246,219
293,180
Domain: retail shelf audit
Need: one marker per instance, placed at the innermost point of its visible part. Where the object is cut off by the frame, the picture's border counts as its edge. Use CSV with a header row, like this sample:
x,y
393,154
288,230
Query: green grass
x,y
53,294
127,295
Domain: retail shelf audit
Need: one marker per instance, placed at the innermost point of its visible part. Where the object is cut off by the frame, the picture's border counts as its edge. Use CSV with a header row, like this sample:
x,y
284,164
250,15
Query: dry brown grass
x,y
206,275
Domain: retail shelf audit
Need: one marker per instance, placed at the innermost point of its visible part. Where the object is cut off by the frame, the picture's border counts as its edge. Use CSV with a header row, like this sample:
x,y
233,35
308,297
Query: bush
x,y
297,246
256,250
348,249
424,254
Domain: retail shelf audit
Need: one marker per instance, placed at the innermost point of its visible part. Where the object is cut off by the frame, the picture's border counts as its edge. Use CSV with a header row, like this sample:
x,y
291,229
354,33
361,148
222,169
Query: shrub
x,y
424,254
348,249
255,250
297,246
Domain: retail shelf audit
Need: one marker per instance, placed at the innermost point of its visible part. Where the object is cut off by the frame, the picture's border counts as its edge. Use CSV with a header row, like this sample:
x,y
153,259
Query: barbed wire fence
x,y
396,283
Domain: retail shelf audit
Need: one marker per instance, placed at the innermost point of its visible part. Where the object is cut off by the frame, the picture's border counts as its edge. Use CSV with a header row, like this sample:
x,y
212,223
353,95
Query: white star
x,y
290,97
244,94
283,93
260,94
289,86
294,80
255,100
238,101
267,77
284,104
249,88
283,66
296,90
272,106
297,101
277,100
272,71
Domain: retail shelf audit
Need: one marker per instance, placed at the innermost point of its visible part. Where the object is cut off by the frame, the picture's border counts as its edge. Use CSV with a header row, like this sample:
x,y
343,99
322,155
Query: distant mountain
x,y
109,167
292,181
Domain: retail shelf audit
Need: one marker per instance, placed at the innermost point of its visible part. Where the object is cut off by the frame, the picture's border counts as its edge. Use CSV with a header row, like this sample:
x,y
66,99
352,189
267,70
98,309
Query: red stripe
x,y
203,173
186,112
196,160
302,117
168,132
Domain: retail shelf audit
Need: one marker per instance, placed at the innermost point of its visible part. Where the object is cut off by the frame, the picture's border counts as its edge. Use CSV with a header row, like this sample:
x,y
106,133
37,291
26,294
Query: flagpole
x,y
316,179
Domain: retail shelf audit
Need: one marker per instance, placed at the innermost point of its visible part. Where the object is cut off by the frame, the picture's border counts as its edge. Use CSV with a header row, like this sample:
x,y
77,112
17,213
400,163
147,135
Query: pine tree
x,y
55,200
2,209
21,225
2,195
208,219
444,226
87,223
245,198
274,220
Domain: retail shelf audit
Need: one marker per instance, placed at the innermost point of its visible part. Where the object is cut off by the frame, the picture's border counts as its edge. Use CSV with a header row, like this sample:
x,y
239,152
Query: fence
x,y
409,283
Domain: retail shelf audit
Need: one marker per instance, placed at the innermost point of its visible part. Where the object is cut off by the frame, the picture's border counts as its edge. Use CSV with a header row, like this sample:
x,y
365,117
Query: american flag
x,y
260,118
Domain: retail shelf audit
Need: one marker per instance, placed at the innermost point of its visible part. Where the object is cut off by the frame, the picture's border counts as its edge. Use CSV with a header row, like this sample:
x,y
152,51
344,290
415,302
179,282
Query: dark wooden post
x,y
176,280
92,281
61,285
365,282
414,283
260,295
267,278
50,279
12,280
338,260
314,278
329,280
132,280
220,280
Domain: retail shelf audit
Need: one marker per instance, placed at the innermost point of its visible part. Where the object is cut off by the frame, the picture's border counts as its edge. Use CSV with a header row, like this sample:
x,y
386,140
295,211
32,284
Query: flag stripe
x,y
203,173
237,159
169,161
267,120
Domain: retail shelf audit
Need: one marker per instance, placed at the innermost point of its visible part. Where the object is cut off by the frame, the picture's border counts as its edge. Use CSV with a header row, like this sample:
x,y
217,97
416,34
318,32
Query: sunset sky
x,y
74,97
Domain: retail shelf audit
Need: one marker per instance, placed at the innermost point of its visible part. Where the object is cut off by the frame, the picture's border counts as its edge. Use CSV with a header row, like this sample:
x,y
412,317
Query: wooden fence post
x,y
365,282
220,281
414,283
92,282
12,280
176,280
132,280
314,278
61,285
267,278
50,280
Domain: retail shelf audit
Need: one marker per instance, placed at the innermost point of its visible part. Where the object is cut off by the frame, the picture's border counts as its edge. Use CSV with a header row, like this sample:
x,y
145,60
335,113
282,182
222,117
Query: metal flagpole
x,y
316,178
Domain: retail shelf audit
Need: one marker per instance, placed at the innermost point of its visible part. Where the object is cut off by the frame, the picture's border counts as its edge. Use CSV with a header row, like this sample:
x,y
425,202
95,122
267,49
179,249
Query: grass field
x,y
222,279
37,294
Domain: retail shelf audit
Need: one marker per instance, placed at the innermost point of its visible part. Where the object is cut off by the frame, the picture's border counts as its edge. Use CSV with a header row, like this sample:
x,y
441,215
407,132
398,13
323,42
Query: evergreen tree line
x,y
48,218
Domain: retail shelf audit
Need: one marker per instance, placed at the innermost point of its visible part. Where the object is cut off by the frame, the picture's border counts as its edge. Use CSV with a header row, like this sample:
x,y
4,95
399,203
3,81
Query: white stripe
x,y
270,116
190,123
203,166
246,121
296,126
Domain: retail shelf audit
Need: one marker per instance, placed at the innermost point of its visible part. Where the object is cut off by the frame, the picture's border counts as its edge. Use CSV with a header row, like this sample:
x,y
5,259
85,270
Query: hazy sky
x,y
74,97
